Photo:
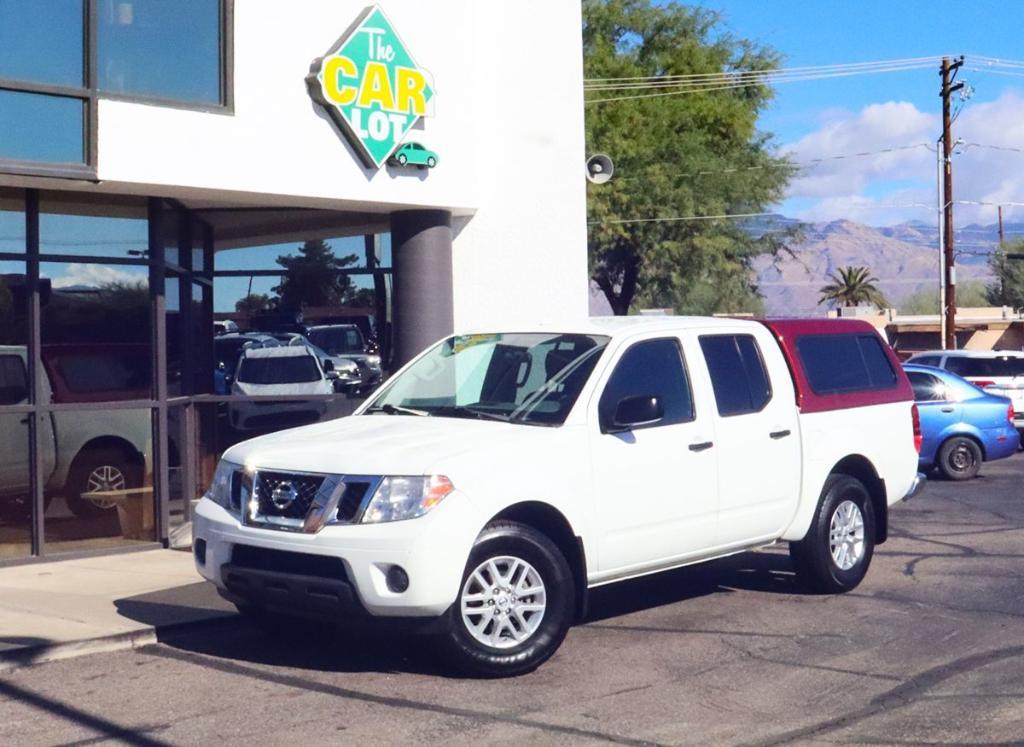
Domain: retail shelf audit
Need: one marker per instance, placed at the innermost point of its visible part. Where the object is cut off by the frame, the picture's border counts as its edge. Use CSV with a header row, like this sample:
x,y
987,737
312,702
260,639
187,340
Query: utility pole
x,y
1001,236
948,73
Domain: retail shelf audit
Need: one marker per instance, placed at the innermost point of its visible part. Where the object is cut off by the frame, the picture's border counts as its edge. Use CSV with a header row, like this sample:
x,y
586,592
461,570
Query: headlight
x,y
220,489
399,498
373,361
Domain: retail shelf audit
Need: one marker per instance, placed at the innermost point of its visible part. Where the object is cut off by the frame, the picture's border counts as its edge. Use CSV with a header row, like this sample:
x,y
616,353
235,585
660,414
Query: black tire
x,y
431,162
959,458
507,539
813,557
402,159
83,469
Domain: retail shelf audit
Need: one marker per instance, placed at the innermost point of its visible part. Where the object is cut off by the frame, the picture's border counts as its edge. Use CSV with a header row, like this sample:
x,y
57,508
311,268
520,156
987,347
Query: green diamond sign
x,y
371,87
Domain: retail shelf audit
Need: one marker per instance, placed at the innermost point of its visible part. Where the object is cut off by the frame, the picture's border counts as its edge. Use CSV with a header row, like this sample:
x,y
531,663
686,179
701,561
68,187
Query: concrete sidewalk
x,y
67,608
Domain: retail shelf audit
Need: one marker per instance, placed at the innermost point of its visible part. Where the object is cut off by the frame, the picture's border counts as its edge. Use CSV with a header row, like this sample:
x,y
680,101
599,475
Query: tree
x,y
1007,289
311,278
254,303
676,155
852,286
926,300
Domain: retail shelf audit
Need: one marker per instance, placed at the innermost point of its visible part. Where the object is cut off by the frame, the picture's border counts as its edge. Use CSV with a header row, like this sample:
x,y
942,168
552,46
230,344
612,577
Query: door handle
x,y
701,446
947,409
779,434
24,420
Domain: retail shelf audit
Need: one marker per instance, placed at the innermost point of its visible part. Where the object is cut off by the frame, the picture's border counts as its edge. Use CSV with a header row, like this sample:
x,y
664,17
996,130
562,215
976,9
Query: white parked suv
x,y
499,476
999,372
279,371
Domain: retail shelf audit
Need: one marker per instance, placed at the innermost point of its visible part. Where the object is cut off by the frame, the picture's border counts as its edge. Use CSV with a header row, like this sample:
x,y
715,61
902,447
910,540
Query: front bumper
x,y
916,487
432,550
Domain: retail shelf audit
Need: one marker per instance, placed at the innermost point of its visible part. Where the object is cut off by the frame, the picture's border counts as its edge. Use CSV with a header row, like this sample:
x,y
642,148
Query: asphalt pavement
x,y
928,650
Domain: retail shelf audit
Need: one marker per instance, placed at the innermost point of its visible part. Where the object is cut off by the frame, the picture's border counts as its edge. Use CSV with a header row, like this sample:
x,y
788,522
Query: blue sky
x,y
814,119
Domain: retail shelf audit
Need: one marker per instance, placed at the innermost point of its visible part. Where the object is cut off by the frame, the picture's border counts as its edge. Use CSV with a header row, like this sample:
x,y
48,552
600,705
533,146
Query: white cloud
x,y
863,187
94,276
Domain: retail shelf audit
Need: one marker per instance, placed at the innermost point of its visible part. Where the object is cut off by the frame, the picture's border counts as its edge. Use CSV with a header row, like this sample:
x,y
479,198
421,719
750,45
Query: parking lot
x,y
927,650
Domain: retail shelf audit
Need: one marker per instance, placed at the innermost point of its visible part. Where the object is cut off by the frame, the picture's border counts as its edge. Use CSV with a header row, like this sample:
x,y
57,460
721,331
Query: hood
x,y
380,444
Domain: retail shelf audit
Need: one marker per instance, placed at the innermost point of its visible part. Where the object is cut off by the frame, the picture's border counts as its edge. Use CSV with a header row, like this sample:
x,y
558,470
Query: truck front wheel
x,y
104,471
835,554
515,603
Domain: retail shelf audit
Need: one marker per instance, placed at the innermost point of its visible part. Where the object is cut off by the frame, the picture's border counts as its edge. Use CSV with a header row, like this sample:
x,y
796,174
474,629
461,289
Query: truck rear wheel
x,y
835,554
102,470
515,603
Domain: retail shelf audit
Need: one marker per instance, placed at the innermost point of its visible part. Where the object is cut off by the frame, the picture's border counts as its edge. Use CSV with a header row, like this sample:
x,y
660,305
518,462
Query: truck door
x,y
13,426
655,484
756,434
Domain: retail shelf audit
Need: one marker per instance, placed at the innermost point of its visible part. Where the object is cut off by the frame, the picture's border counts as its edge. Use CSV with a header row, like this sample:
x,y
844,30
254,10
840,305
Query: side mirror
x,y
635,412
329,366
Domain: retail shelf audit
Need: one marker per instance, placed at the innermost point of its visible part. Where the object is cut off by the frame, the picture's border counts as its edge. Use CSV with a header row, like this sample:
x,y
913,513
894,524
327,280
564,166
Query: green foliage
x,y
926,301
1007,289
311,278
660,146
852,286
254,303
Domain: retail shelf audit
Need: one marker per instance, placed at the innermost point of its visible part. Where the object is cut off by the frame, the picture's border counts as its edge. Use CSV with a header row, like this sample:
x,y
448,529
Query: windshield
x,y
1000,366
338,340
530,378
299,369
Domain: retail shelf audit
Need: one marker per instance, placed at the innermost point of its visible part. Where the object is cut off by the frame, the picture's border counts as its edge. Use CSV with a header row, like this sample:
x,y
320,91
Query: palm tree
x,y
853,286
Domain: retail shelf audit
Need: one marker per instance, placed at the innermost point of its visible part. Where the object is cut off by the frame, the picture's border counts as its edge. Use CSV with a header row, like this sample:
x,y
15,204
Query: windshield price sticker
x,y
371,87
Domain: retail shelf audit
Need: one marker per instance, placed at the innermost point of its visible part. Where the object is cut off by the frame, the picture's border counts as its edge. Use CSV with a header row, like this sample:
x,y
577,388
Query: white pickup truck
x,y
498,476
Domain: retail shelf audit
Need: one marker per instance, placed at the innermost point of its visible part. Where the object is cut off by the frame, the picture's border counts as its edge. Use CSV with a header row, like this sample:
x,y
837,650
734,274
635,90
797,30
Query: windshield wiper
x,y
390,409
458,411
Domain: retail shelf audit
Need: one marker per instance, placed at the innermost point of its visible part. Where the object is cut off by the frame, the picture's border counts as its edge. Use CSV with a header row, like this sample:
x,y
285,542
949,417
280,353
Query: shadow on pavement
x,y
308,645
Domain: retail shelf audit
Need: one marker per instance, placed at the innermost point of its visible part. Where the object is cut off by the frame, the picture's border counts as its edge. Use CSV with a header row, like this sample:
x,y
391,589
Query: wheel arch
x,y
962,434
861,468
116,443
551,522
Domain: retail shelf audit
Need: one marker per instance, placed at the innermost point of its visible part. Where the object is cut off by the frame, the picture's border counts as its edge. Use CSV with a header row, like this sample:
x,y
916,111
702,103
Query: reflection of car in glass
x,y
345,341
413,154
498,476
343,372
998,372
224,327
102,451
227,349
962,425
282,370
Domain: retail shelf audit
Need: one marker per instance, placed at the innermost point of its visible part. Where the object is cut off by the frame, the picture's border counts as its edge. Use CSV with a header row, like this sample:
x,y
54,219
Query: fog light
x,y
397,579
199,548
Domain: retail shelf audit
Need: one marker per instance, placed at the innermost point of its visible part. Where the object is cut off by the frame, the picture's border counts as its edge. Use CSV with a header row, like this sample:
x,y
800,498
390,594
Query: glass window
x,y
652,368
927,388
835,364
96,332
926,360
531,378
295,369
15,505
13,304
338,339
737,371
41,41
34,127
142,49
102,494
99,227
12,221
996,366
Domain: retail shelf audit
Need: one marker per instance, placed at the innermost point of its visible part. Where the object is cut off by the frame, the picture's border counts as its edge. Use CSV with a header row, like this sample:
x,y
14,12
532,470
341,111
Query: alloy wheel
x,y
503,602
846,535
104,478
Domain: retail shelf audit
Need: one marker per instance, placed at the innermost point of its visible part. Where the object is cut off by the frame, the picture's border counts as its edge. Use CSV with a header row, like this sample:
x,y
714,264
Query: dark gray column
x,y
421,255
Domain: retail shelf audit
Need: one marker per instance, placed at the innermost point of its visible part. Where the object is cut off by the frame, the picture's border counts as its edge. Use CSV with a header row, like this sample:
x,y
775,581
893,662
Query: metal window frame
x,y
90,94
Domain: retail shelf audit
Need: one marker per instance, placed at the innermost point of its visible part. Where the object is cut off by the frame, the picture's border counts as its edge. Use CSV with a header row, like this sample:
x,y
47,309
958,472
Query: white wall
x,y
508,128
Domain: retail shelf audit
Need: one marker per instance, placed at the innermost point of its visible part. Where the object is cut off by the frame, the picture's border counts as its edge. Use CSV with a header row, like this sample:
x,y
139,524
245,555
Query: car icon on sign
x,y
415,154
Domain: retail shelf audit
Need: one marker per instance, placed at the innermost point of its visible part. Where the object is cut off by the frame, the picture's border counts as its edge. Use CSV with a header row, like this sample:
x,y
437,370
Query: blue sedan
x,y
962,425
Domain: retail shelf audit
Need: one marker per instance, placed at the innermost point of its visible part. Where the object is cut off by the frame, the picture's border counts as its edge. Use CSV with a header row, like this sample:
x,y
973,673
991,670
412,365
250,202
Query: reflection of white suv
x,y
996,371
288,370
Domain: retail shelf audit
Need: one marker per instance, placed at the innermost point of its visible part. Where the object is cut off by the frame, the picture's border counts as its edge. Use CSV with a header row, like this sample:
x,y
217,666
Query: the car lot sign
x,y
371,86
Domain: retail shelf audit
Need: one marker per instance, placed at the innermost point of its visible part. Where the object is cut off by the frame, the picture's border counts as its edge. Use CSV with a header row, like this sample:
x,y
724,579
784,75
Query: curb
x,y
49,652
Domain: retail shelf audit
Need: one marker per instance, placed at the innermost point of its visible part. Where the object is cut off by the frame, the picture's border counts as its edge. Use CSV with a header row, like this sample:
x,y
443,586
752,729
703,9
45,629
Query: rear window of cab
x,y
838,364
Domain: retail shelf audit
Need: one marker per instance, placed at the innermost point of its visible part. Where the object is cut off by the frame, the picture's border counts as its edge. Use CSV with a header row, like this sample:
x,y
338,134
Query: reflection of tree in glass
x,y
254,303
116,311
312,277
7,325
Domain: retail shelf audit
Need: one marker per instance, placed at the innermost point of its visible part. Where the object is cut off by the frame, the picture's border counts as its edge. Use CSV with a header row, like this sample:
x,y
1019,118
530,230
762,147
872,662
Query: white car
x,y
499,476
278,371
999,372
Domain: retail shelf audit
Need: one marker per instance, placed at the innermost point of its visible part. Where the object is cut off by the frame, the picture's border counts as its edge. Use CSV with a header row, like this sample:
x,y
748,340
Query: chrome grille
x,y
285,494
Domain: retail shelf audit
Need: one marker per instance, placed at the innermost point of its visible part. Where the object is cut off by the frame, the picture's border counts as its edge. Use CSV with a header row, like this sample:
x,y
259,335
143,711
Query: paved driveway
x,y
928,650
